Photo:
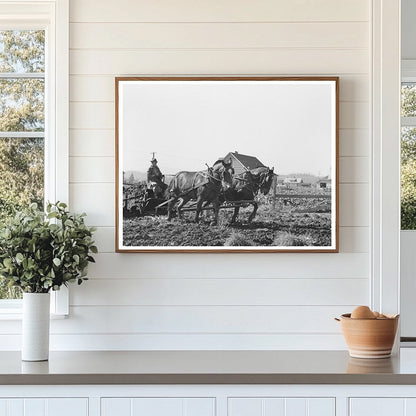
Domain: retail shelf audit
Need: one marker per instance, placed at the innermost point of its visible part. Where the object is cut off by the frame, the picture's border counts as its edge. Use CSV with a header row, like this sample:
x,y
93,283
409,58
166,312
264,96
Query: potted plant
x,y
40,252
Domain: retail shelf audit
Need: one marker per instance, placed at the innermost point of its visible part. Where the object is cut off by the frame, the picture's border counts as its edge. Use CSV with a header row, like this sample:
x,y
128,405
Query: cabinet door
x,y
147,406
269,406
44,407
382,406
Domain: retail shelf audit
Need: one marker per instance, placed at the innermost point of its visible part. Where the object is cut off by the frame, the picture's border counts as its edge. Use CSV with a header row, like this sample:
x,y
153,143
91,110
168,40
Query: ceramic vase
x,y
35,326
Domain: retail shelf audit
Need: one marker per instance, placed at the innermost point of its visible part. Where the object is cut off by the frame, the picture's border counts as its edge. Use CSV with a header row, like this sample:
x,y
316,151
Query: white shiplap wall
x,y
181,301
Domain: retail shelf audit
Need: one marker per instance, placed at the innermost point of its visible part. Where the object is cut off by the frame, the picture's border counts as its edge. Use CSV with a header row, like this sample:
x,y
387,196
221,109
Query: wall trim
x,y
385,98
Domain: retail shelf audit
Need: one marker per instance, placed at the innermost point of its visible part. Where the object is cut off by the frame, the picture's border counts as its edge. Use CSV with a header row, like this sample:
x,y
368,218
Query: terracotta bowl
x,y
369,338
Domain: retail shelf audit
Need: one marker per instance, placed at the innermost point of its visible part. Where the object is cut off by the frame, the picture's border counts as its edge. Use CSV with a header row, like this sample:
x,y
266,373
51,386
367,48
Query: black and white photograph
x,y
231,164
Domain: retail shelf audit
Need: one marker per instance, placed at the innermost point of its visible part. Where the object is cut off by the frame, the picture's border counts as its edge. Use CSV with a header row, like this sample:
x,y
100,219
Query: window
x,y
22,124
33,111
408,154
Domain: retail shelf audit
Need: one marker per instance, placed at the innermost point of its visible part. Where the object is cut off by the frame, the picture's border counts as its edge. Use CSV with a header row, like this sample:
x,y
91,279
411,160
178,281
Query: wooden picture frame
x,y
255,158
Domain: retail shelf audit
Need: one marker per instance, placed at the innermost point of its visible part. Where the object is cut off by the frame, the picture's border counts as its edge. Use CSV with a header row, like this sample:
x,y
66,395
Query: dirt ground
x,y
286,224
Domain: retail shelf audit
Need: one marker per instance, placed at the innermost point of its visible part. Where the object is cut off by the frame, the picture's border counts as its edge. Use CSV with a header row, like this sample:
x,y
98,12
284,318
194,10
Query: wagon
x,y
139,200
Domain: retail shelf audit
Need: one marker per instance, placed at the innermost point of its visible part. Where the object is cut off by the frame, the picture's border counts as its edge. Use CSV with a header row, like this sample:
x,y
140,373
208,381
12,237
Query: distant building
x,y
293,181
241,162
324,183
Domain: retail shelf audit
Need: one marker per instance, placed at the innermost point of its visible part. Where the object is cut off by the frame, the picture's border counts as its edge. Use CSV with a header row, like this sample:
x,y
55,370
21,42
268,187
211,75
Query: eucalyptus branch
x,y
43,251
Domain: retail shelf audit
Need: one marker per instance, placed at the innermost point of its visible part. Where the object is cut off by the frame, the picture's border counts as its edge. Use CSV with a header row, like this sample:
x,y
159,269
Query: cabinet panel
x,y
199,407
44,407
281,406
16,407
296,407
410,406
245,407
377,407
67,407
318,407
115,407
275,407
157,406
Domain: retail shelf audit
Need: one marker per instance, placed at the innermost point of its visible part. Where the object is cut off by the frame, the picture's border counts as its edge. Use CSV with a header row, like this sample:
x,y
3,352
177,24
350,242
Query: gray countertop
x,y
208,367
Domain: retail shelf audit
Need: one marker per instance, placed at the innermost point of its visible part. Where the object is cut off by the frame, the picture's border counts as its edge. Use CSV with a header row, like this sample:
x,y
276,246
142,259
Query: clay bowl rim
x,y
347,316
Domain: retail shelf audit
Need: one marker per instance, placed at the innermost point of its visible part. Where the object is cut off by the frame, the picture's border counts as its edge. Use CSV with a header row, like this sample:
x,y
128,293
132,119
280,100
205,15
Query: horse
x,y
246,186
202,186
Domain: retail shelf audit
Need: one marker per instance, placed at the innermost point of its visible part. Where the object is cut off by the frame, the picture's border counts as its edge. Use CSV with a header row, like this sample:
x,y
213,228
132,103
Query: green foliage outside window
x,y
408,160
21,110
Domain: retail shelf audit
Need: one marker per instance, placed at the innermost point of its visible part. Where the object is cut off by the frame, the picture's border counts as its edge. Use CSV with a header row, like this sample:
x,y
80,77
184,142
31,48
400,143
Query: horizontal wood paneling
x,y
94,143
96,199
354,170
218,36
354,209
101,88
218,11
354,142
92,169
104,238
287,297
81,115
352,115
166,341
194,320
220,291
232,265
352,239
221,61
202,319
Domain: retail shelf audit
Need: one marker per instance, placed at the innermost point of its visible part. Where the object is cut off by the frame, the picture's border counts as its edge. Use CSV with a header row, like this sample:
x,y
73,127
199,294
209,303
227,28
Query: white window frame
x,y
53,17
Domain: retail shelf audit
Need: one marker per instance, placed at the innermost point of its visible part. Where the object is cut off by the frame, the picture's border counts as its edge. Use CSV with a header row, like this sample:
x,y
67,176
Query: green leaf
x,y
57,262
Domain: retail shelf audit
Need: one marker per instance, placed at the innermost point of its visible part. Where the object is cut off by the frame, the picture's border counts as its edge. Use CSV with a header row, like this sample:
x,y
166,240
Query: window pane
x,y
408,178
22,51
21,182
21,173
22,104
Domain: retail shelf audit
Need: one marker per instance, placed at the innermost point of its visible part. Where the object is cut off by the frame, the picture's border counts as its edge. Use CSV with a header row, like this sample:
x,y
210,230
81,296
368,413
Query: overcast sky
x,y
187,124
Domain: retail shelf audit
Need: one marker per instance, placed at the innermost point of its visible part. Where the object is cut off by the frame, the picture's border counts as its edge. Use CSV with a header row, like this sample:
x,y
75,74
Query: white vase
x,y
35,326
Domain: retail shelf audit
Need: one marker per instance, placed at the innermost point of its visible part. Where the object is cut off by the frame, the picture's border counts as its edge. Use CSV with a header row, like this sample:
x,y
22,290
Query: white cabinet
x,y
382,406
44,407
281,406
208,400
146,406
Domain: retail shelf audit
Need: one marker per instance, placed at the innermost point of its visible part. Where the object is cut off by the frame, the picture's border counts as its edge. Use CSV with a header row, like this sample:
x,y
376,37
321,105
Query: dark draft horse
x,y
203,186
246,186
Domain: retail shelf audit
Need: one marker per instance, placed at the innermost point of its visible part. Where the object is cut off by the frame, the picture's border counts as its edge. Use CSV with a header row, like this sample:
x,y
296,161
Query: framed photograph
x,y
227,164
